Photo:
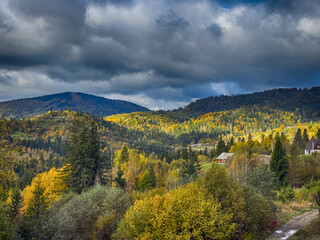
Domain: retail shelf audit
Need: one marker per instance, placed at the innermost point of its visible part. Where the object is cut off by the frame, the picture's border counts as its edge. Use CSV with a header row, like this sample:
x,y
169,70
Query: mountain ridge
x,y
28,107
305,102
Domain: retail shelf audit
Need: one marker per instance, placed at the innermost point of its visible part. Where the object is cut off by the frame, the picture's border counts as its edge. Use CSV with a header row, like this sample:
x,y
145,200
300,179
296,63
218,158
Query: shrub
x,y
184,213
92,215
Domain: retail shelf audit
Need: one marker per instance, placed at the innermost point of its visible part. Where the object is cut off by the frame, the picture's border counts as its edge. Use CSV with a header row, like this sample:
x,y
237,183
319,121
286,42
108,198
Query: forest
x,y
144,177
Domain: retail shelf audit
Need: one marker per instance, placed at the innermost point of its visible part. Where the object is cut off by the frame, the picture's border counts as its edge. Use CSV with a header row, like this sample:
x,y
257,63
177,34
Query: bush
x,y
308,193
184,213
286,194
92,215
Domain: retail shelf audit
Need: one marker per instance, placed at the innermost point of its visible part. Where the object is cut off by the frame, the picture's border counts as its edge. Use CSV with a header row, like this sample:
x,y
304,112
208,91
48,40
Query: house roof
x,y
313,142
225,156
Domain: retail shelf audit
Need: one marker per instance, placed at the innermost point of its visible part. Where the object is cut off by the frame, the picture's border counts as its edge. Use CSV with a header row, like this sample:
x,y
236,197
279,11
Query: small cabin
x,y
223,158
313,146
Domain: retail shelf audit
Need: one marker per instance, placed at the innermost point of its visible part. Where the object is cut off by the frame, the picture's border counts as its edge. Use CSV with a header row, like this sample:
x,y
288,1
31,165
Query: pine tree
x,y
85,162
191,165
221,147
298,140
278,162
124,154
119,180
38,204
14,211
294,175
305,137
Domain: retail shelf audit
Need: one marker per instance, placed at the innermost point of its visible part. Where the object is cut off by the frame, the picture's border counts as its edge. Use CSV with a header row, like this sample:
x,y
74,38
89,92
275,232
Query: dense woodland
x,y
143,180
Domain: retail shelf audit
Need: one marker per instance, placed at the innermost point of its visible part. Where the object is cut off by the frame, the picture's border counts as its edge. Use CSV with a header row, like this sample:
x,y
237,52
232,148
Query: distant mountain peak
x,y
62,101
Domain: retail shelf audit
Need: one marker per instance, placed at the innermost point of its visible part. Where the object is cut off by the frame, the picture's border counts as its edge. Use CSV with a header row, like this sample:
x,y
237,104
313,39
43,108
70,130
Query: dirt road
x,y
289,229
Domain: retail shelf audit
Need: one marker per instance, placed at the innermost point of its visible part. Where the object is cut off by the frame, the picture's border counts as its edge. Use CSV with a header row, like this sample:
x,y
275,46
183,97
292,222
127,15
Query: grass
x,y
205,167
21,136
287,211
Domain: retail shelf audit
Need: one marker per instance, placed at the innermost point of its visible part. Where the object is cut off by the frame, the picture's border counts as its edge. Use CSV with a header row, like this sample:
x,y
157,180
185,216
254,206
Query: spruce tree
x,y
38,204
305,137
85,162
191,165
294,175
35,214
14,210
119,180
278,162
221,147
298,140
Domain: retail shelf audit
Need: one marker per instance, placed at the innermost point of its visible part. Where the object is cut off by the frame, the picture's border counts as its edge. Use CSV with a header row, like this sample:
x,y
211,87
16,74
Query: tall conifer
x,y
278,162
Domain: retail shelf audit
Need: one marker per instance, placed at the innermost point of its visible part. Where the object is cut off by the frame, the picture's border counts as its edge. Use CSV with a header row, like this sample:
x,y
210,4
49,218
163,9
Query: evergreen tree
x,y
85,162
14,211
119,180
191,165
298,140
294,176
278,162
124,154
305,137
205,152
38,204
230,144
221,147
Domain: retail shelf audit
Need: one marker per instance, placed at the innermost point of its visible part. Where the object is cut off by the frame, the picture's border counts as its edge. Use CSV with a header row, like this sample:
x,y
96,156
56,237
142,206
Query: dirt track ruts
x,y
289,229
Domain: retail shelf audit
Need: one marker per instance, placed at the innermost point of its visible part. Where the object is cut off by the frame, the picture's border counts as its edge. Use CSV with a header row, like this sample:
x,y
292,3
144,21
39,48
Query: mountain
x,y
304,102
62,101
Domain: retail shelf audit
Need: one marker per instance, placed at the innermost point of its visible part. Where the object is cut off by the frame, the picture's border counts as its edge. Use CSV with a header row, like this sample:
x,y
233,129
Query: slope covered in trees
x,y
304,102
62,101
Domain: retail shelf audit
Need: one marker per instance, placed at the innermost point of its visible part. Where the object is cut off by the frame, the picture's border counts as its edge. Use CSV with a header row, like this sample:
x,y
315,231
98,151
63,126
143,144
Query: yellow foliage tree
x,y
52,183
184,213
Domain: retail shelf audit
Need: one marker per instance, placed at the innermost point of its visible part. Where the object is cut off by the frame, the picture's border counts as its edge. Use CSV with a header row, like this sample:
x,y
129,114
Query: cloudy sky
x,y
157,53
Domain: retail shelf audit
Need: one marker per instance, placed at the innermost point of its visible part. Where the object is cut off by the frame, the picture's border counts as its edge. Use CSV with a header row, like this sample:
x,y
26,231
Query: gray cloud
x,y
164,53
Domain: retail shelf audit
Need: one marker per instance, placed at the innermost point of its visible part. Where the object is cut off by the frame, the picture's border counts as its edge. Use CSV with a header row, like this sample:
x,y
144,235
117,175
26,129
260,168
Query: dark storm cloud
x,y
157,53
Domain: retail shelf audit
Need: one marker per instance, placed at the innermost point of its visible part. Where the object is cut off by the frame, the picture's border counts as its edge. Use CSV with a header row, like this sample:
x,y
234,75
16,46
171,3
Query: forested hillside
x,y
208,127
91,104
304,102
143,174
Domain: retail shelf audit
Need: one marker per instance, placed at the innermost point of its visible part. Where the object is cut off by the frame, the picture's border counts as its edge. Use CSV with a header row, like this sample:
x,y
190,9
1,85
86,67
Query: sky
x,y
157,53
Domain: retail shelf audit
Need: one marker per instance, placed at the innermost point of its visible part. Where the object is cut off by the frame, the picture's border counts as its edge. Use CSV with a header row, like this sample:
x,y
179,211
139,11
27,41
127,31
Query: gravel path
x,y
289,229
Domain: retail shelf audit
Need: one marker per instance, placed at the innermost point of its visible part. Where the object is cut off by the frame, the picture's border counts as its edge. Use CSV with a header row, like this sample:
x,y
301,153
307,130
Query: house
x,y
312,147
223,157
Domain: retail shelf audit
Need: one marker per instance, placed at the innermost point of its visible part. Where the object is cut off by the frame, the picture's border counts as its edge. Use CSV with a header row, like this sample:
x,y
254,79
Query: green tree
x,y
278,162
298,140
145,183
85,164
191,165
35,214
124,155
38,204
6,229
221,147
295,171
14,209
305,137
262,180
119,179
